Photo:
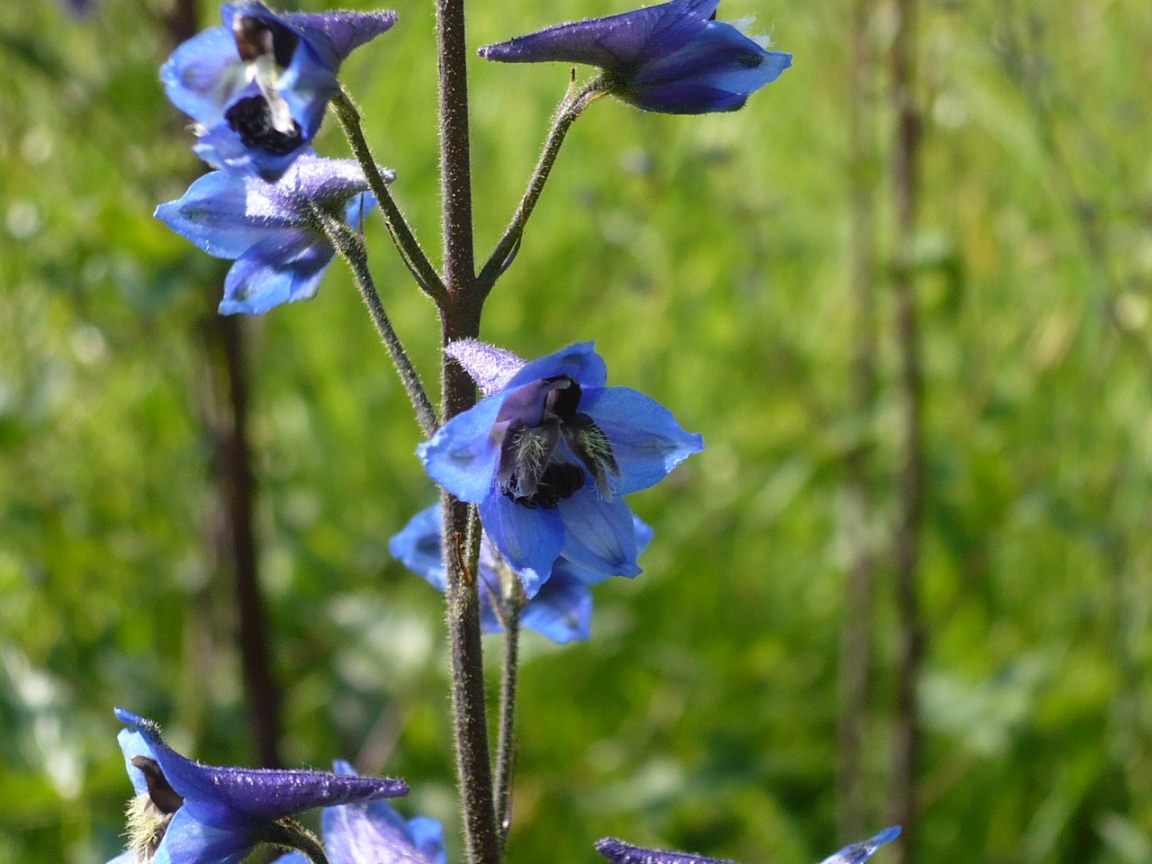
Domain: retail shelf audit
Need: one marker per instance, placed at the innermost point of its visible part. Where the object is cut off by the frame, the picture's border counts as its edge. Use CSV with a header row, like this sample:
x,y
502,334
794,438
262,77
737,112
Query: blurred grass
x,y
707,258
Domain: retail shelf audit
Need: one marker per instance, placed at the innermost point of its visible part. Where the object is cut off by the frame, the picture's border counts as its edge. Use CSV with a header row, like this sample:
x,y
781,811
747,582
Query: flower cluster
x,y
619,852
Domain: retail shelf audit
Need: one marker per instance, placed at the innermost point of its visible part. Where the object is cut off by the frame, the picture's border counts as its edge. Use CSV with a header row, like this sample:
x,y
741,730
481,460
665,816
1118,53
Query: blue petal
x,y
214,215
289,858
857,853
599,534
463,455
646,439
595,577
681,98
130,857
188,841
417,547
222,148
490,367
529,540
281,269
562,609
203,74
617,42
314,178
579,362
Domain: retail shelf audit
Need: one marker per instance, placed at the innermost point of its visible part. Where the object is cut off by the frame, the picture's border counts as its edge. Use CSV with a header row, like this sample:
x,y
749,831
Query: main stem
x,y
460,319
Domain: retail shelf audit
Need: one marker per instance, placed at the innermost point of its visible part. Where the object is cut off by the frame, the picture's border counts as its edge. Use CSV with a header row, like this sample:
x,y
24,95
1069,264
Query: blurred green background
x,y
709,257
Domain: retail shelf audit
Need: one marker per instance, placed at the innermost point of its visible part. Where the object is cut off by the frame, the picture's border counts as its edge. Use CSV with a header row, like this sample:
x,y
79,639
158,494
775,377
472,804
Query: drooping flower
x,y
188,813
561,609
619,852
268,228
258,86
374,833
548,454
674,58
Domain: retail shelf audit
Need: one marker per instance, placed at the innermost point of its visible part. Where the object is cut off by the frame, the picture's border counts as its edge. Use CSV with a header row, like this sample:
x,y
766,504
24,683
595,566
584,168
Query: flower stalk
x,y
413,255
508,610
351,249
570,108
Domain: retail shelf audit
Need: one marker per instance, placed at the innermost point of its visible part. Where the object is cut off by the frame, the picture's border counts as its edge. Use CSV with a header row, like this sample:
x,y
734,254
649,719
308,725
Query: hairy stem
x,y
289,834
351,249
415,259
569,109
907,731
460,319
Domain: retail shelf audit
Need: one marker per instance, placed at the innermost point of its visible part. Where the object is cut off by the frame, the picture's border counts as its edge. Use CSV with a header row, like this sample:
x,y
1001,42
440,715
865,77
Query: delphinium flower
x,y
269,227
188,813
548,455
619,852
674,58
258,86
561,609
374,833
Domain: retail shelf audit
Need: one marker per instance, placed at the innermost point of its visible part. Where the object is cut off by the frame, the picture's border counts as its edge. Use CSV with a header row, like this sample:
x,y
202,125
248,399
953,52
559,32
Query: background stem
x,y
905,175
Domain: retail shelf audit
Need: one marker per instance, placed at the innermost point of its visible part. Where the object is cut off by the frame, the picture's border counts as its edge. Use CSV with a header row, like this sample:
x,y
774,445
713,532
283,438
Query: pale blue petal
x,y
529,540
463,456
599,534
132,744
202,75
857,853
428,836
214,215
417,547
646,439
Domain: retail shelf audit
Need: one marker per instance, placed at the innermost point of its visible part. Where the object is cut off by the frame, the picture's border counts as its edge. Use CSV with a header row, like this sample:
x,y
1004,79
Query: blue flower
x,y
619,852
674,58
548,455
258,86
188,813
561,609
268,228
374,833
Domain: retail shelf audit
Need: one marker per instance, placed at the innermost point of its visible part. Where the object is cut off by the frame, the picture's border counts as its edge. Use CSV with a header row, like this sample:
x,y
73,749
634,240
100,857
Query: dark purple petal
x,y
619,852
231,798
343,31
490,367
618,43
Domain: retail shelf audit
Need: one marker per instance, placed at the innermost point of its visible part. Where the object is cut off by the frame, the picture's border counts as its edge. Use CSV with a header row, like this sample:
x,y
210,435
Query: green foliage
x,y
708,258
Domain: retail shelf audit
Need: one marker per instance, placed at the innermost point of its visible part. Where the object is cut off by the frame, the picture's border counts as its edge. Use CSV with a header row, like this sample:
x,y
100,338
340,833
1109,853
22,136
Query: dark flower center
x,y
535,470
256,39
251,119
166,799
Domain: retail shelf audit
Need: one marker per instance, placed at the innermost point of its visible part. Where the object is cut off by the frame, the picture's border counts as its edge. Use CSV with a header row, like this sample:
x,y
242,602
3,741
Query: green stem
x,y
351,249
415,259
289,834
569,109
